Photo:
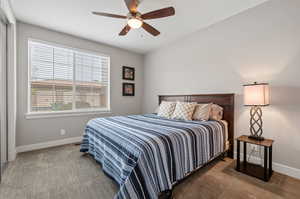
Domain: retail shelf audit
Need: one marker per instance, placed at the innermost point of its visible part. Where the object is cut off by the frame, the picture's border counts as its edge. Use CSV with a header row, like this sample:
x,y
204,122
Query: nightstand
x,y
263,173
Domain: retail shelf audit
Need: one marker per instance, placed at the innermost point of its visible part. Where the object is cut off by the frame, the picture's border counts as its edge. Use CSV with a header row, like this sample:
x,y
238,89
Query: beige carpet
x,y
63,173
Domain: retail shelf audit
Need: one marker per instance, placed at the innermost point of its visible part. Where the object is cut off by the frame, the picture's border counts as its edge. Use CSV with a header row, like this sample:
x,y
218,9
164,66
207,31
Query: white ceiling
x,y
74,17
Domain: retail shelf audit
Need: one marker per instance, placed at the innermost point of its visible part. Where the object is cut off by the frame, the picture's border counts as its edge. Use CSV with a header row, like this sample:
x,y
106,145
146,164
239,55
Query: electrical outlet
x,y
62,132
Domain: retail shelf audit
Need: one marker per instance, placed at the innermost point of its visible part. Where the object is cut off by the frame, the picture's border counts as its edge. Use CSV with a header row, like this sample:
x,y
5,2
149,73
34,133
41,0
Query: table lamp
x,y
256,95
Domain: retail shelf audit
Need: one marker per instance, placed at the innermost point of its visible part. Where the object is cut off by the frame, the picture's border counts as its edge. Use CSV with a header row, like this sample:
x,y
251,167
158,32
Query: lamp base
x,y
258,138
256,123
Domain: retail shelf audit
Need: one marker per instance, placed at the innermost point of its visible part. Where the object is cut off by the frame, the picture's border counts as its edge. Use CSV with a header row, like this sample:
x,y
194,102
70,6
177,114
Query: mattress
x,y
147,154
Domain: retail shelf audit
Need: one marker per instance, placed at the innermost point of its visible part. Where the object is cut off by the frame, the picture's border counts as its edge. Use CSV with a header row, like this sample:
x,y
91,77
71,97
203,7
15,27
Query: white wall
x,y
32,131
261,44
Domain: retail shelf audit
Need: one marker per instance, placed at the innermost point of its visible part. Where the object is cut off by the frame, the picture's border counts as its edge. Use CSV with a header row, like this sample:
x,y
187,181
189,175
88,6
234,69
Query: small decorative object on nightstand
x,y
256,95
263,173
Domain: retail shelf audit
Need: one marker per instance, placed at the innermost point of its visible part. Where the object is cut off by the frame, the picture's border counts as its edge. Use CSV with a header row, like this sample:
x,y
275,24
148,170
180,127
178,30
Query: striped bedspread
x,y
146,154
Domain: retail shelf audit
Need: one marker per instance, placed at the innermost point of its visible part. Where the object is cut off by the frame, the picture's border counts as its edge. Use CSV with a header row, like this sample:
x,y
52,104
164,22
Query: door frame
x,y
4,20
7,16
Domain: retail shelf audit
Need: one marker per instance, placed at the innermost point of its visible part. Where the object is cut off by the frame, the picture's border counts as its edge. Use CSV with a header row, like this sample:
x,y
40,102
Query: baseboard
x,y
44,145
280,168
12,155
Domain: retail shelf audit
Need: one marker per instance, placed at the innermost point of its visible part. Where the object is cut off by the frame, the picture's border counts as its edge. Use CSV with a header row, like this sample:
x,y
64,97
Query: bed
x,y
147,155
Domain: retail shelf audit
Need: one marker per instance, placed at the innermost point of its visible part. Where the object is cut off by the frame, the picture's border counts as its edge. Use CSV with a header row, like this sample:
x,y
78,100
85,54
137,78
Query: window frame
x,y
73,112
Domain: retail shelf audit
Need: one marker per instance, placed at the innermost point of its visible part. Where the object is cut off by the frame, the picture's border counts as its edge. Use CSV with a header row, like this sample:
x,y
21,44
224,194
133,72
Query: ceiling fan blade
x,y
150,29
165,12
125,30
132,5
109,15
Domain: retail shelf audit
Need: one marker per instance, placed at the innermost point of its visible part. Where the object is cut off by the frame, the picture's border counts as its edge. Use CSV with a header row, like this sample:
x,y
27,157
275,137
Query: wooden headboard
x,y
224,100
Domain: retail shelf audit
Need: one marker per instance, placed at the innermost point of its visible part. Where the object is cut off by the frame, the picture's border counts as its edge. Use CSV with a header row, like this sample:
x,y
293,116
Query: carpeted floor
x,y
64,173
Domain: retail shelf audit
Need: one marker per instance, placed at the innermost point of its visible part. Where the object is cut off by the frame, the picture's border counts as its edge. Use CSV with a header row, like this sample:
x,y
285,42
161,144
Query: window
x,y
67,80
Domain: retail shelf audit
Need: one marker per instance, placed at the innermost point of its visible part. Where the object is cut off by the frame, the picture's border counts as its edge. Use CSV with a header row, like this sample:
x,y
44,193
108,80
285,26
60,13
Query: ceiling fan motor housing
x,y
136,15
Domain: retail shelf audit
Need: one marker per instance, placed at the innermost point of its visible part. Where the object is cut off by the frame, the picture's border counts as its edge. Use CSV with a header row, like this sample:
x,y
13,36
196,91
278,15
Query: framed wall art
x,y
128,73
128,89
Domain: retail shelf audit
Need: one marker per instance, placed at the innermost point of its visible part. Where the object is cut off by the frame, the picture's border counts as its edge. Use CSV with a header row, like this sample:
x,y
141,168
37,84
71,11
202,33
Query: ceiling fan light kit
x,y
135,23
136,20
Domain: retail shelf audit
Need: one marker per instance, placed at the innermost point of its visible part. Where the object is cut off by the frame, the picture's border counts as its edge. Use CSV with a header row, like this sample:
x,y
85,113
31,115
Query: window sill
x,y
65,114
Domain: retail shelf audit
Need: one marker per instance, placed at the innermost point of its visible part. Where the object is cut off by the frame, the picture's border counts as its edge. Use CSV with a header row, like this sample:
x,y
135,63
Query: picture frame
x,y
128,89
128,73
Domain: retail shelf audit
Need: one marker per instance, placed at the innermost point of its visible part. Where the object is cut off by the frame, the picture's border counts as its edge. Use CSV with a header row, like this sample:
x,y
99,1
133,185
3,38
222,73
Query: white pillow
x,y
184,111
166,109
216,112
202,112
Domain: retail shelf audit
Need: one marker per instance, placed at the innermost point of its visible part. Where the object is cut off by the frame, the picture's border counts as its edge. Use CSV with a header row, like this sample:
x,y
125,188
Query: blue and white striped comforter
x,y
146,154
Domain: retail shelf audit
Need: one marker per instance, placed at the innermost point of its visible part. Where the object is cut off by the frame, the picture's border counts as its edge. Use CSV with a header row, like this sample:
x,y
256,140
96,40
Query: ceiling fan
x,y
136,20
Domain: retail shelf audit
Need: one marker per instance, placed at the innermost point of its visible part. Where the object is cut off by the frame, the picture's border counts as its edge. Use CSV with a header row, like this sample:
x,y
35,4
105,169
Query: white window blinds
x,y
64,79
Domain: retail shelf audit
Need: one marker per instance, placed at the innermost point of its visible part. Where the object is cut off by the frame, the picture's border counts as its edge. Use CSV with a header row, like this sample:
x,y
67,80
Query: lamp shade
x,y
256,94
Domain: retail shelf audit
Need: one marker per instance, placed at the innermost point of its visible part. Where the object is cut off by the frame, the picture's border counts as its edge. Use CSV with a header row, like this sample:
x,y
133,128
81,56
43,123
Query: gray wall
x,y
261,44
31,131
